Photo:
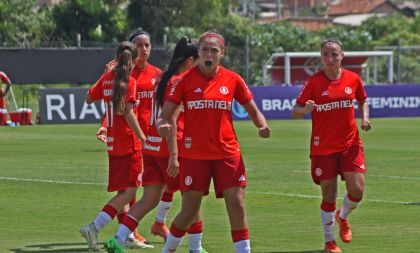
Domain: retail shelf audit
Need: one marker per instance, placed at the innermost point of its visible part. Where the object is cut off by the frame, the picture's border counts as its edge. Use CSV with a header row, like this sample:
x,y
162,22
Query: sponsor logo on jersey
x,y
188,180
111,148
242,178
108,92
108,82
334,105
110,139
174,86
330,223
363,167
153,81
303,88
212,104
145,94
316,140
152,147
154,138
198,90
348,90
224,90
188,141
139,177
318,172
324,94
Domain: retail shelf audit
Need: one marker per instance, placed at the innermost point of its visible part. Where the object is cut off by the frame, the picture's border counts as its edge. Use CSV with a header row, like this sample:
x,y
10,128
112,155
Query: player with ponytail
x,y
125,138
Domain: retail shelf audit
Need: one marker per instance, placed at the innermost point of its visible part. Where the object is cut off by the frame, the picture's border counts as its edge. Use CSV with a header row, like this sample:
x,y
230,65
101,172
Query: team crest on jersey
x,y
188,180
153,81
139,177
348,90
316,140
318,172
224,90
188,141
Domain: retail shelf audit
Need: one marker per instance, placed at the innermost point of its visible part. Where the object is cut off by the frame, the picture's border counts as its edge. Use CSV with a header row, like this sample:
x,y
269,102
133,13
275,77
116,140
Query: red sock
x,y
327,207
167,197
130,223
132,202
177,232
353,199
121,217
110,210
196,228
240,235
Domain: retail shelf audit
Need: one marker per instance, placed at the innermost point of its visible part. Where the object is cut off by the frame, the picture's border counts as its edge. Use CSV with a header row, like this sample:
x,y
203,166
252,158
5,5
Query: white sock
x,y
162,212
328,225
102,220
347,207
195,242
123,232
131,236
242,246
172,243
119,240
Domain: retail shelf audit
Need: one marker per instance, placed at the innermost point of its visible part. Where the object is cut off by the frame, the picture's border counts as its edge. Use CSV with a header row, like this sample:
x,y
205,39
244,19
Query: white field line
x,y
266,193
398,177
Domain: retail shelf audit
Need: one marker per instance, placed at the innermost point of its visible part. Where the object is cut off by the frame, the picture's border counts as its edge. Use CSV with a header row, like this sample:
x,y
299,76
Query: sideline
x,y
250,192
415,178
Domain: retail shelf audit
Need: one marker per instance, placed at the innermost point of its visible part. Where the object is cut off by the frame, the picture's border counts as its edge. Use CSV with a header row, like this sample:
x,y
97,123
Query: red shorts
x,y
155,173
326,167
2,101
124,171
196,174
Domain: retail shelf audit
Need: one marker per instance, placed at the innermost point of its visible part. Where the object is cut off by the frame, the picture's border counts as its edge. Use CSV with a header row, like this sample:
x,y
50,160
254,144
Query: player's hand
x,y
165,130
265,132
2,94
173,166
366,125
110,66
309,106
101,134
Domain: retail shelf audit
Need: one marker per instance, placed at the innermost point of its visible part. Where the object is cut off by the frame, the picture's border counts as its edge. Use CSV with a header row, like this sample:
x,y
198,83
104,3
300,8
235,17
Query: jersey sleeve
x,y
305,93
95,92
242,93
360,91
3,77
176,90
131,91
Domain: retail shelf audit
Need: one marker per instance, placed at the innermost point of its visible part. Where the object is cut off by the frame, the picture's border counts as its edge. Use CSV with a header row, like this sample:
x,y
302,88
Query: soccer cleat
x,y
90,233
133,243
345,232
332,247
201,251
112,246
140,238
159,229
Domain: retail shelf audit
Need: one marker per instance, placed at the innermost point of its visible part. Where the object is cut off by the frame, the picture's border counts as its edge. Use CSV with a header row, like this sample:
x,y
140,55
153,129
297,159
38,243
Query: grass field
x,y
67,168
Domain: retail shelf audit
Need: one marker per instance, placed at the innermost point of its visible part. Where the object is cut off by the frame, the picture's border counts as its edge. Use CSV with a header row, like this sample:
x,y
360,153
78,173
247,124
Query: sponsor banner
x,y
68,106
384,101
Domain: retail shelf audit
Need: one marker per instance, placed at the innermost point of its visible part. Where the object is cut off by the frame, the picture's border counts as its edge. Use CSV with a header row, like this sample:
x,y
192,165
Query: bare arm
x,y
8,83
173,165
258,118
299,111
363,109
131,119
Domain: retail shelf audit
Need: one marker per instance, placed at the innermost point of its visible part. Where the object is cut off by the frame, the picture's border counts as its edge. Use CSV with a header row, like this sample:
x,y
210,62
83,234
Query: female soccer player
x,y
3,79
336,147
125,138
209,146
142,72
161,156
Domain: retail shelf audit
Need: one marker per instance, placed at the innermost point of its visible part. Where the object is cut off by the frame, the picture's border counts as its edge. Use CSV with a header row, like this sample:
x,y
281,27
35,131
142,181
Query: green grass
x,y
46,216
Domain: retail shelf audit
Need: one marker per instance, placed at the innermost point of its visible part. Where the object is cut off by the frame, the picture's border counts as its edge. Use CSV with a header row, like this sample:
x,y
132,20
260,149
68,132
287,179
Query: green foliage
x,y
315,11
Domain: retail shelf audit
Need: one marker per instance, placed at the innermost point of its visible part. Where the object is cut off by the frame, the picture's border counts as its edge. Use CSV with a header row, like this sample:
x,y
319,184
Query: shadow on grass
x,y
311,251
413,203
95,150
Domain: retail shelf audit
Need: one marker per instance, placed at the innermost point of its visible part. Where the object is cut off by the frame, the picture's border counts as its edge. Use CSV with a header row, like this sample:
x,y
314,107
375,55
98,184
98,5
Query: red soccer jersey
x,y
121,139
208,129
155,144
145,93
3,78
334,126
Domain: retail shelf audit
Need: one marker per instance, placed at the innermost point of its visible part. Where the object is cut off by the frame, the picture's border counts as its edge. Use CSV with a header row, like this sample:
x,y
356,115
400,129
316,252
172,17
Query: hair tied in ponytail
x,y
127,48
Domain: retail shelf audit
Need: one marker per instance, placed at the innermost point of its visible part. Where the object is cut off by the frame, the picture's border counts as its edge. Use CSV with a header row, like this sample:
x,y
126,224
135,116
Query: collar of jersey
x,y
335,81
141,71
209,78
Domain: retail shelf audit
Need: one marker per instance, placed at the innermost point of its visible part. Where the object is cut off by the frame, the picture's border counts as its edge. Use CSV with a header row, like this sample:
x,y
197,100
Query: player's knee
x,y
356,192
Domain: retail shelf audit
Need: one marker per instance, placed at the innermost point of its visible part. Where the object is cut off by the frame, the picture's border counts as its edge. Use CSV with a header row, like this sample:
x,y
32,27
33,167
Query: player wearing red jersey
x,y
209,147
119,92
3,79
143,73
336,147
161,156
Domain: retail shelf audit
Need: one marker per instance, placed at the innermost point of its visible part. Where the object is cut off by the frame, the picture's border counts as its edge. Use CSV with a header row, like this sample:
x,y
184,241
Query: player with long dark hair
x,y
336,147
209,146
161,164
125,137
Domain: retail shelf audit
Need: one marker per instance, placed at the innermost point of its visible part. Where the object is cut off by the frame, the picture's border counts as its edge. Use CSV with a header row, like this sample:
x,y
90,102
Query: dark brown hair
x,y
216,34
332,40
126,54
